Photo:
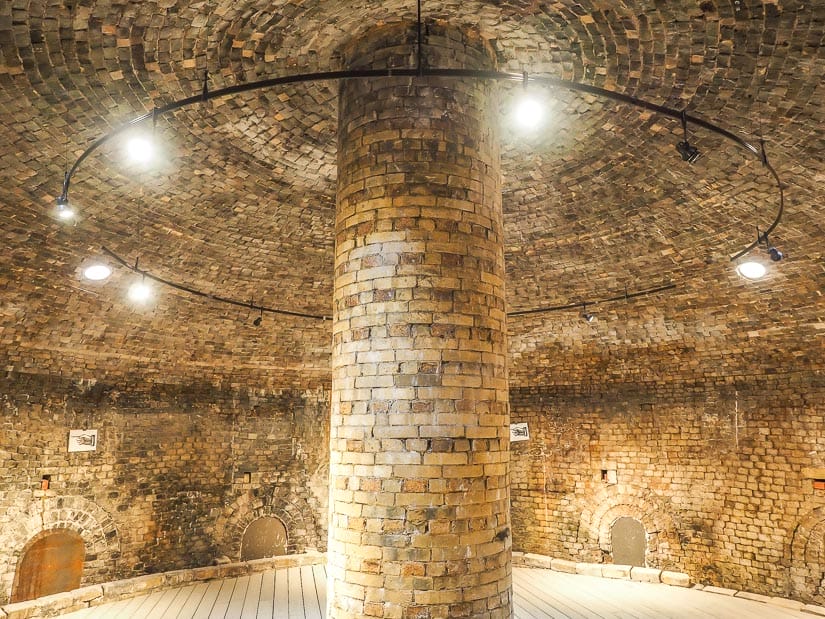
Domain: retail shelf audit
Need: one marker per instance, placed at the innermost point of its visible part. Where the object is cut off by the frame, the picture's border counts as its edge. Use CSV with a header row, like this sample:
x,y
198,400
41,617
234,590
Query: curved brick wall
x,y
165,488
419,522
706,400
715,441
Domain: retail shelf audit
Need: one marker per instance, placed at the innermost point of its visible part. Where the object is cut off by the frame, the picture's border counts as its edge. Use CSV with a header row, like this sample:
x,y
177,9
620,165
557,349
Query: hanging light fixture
x,y
587,316
528,112
140,291
752,270
140,149
688,152
97,272
773,252
64,210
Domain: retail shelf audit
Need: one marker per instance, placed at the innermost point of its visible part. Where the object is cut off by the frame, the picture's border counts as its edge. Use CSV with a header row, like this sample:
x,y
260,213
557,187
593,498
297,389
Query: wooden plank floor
x,y
300,593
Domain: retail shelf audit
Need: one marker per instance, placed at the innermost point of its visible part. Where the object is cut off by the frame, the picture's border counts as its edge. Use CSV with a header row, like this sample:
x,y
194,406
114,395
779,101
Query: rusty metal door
x,y
51,564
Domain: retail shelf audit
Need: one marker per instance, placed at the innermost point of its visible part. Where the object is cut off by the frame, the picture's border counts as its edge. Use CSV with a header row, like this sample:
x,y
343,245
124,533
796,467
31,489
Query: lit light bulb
x,y
65,212
752,270
528,113
97,272
140,149
140,292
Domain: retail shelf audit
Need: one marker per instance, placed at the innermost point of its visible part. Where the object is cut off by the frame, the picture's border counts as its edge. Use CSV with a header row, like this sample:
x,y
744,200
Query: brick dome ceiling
x,y
241,203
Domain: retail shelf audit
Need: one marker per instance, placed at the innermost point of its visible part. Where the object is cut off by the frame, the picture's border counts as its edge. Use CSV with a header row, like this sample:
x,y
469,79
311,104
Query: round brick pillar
x,y
419,464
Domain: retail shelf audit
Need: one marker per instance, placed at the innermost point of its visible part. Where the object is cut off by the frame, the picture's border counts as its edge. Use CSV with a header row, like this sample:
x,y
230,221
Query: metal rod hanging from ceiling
x,y
421,71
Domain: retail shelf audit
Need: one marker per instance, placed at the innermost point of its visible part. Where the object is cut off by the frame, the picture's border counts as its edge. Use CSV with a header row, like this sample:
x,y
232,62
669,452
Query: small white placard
x,y
82,440
519,432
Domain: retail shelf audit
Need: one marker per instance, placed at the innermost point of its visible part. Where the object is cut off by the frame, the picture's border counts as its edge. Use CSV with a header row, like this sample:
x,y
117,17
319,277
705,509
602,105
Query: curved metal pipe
x,y
420,70
206,295
207,95
622,297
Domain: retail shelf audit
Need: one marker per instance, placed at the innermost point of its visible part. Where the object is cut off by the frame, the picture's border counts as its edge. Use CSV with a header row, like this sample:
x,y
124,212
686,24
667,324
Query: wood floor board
x,y
296,594
234,607
249,608
319,572
559,602
267,598
180,601
149,603
312,608
204,609
83,613
221,604
190,605
588,595
300,593
125,608
281,593
527,606
164,606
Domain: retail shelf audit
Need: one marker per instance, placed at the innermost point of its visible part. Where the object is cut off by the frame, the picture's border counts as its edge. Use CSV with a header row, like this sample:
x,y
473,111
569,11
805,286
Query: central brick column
x,y
419,483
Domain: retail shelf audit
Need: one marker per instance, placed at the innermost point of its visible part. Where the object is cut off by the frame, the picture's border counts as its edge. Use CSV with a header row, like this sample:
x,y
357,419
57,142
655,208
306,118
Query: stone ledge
x,y
675,579
56,604
119,589
589,569
603,570
786,603
645,574
531,560
720,590
77,599
562,565
652,575
756,597
93,595
611,570
772,600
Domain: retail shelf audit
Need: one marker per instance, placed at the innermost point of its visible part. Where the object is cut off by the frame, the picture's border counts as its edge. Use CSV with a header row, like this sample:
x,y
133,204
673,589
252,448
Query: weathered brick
x,y
420,337
715,384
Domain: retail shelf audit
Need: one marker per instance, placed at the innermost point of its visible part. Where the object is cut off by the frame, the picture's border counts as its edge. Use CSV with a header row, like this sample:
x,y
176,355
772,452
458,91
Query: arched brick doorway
x,y
264,537
52,563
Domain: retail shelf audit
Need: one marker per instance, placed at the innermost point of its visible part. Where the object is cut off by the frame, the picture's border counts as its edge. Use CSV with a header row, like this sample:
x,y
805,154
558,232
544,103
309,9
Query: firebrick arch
x,y
295,515
611,503
74,513
807,558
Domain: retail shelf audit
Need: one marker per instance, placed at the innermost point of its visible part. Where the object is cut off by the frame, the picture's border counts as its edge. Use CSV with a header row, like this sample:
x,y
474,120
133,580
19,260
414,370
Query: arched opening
x,y
52,563
264,537
628,540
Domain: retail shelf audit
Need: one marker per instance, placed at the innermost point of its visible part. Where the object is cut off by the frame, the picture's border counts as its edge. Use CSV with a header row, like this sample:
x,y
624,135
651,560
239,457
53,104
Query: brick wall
x,y
714,445
165,488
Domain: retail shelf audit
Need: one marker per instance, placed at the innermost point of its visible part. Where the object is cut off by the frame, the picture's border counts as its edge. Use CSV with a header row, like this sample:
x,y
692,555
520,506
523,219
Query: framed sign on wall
x,y
519,432
82,440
